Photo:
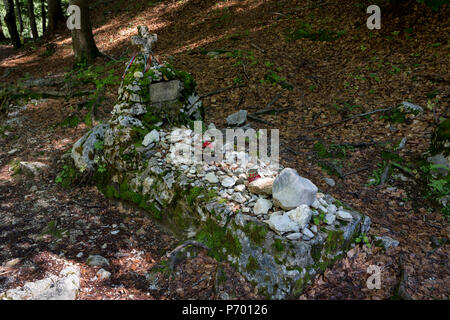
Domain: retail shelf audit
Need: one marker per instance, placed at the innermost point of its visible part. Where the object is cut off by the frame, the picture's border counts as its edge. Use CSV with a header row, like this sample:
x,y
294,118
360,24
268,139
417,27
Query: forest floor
x,y
340,69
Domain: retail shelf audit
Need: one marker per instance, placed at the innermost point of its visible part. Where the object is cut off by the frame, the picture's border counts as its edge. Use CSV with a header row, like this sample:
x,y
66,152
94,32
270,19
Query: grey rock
x,y
97,261
281,223
64,287
294,236
84,151
211,177
344,216
228,182
308,233
32,168
238,197
441,161
330,182
330,218
262,206
365,226
102,274
301,215
387,242
237,118
411,107
152,136
165,91
289,190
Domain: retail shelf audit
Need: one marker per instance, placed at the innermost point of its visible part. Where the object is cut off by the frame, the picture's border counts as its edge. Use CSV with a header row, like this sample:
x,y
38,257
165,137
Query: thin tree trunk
x,y
34,31
44,18
2,35
56,18
83,42
10,20
19,17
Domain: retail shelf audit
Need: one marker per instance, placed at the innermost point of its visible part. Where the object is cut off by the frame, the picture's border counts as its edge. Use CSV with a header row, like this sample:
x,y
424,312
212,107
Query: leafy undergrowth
x,y
326,67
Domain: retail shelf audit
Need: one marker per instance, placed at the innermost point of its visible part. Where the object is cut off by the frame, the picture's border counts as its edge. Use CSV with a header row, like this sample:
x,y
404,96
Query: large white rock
x,y
228,182
152,136
281,223
301,215
261,186
344,216
289,190
262,206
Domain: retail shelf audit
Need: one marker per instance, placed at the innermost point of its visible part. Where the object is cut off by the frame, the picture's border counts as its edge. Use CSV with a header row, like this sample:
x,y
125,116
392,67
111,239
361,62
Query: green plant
x,y
363,238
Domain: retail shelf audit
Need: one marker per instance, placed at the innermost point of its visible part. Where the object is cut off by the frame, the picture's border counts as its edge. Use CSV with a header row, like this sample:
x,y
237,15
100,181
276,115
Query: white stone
x,y
238,197
228,182
344,216
281,223
152,136
261,186
330,218
97,260
301,215
239,188
211,177
237,118
308,233
332,209
289,190
262,206
102,274
294,236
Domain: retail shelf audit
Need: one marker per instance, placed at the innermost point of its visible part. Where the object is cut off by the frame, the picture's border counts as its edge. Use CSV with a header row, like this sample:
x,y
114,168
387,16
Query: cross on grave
x,y
145,40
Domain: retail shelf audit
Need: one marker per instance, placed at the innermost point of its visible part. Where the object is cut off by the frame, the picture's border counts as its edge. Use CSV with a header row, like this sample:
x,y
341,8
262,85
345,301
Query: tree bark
x,y
83,42
2,35
34,31
10,20
19,17
43,16
56,17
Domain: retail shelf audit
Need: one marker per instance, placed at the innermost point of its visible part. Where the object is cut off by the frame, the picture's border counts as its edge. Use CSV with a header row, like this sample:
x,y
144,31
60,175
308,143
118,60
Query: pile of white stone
x,y
280,197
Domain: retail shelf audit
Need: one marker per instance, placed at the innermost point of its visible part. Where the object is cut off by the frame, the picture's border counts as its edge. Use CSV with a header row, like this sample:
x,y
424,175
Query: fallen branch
x,y
222,90
86,205
252,117
355,171
353,117
173,254
265,111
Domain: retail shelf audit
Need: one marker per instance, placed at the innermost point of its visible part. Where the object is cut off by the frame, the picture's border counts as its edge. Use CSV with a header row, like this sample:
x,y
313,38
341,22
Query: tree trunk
x,y
19,17
83,42
2,35
34,31
44,18
10,20
56,18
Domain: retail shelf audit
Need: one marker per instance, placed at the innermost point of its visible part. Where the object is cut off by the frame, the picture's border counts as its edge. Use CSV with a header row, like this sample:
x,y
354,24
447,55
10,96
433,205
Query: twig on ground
x,y
355,171
252,117
222,90
353,117
257,48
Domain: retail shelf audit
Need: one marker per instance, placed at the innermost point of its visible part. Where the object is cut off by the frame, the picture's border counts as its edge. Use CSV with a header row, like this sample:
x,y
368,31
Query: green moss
x,y
278,245
334,241
252,265
316,251
256,233
217,239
